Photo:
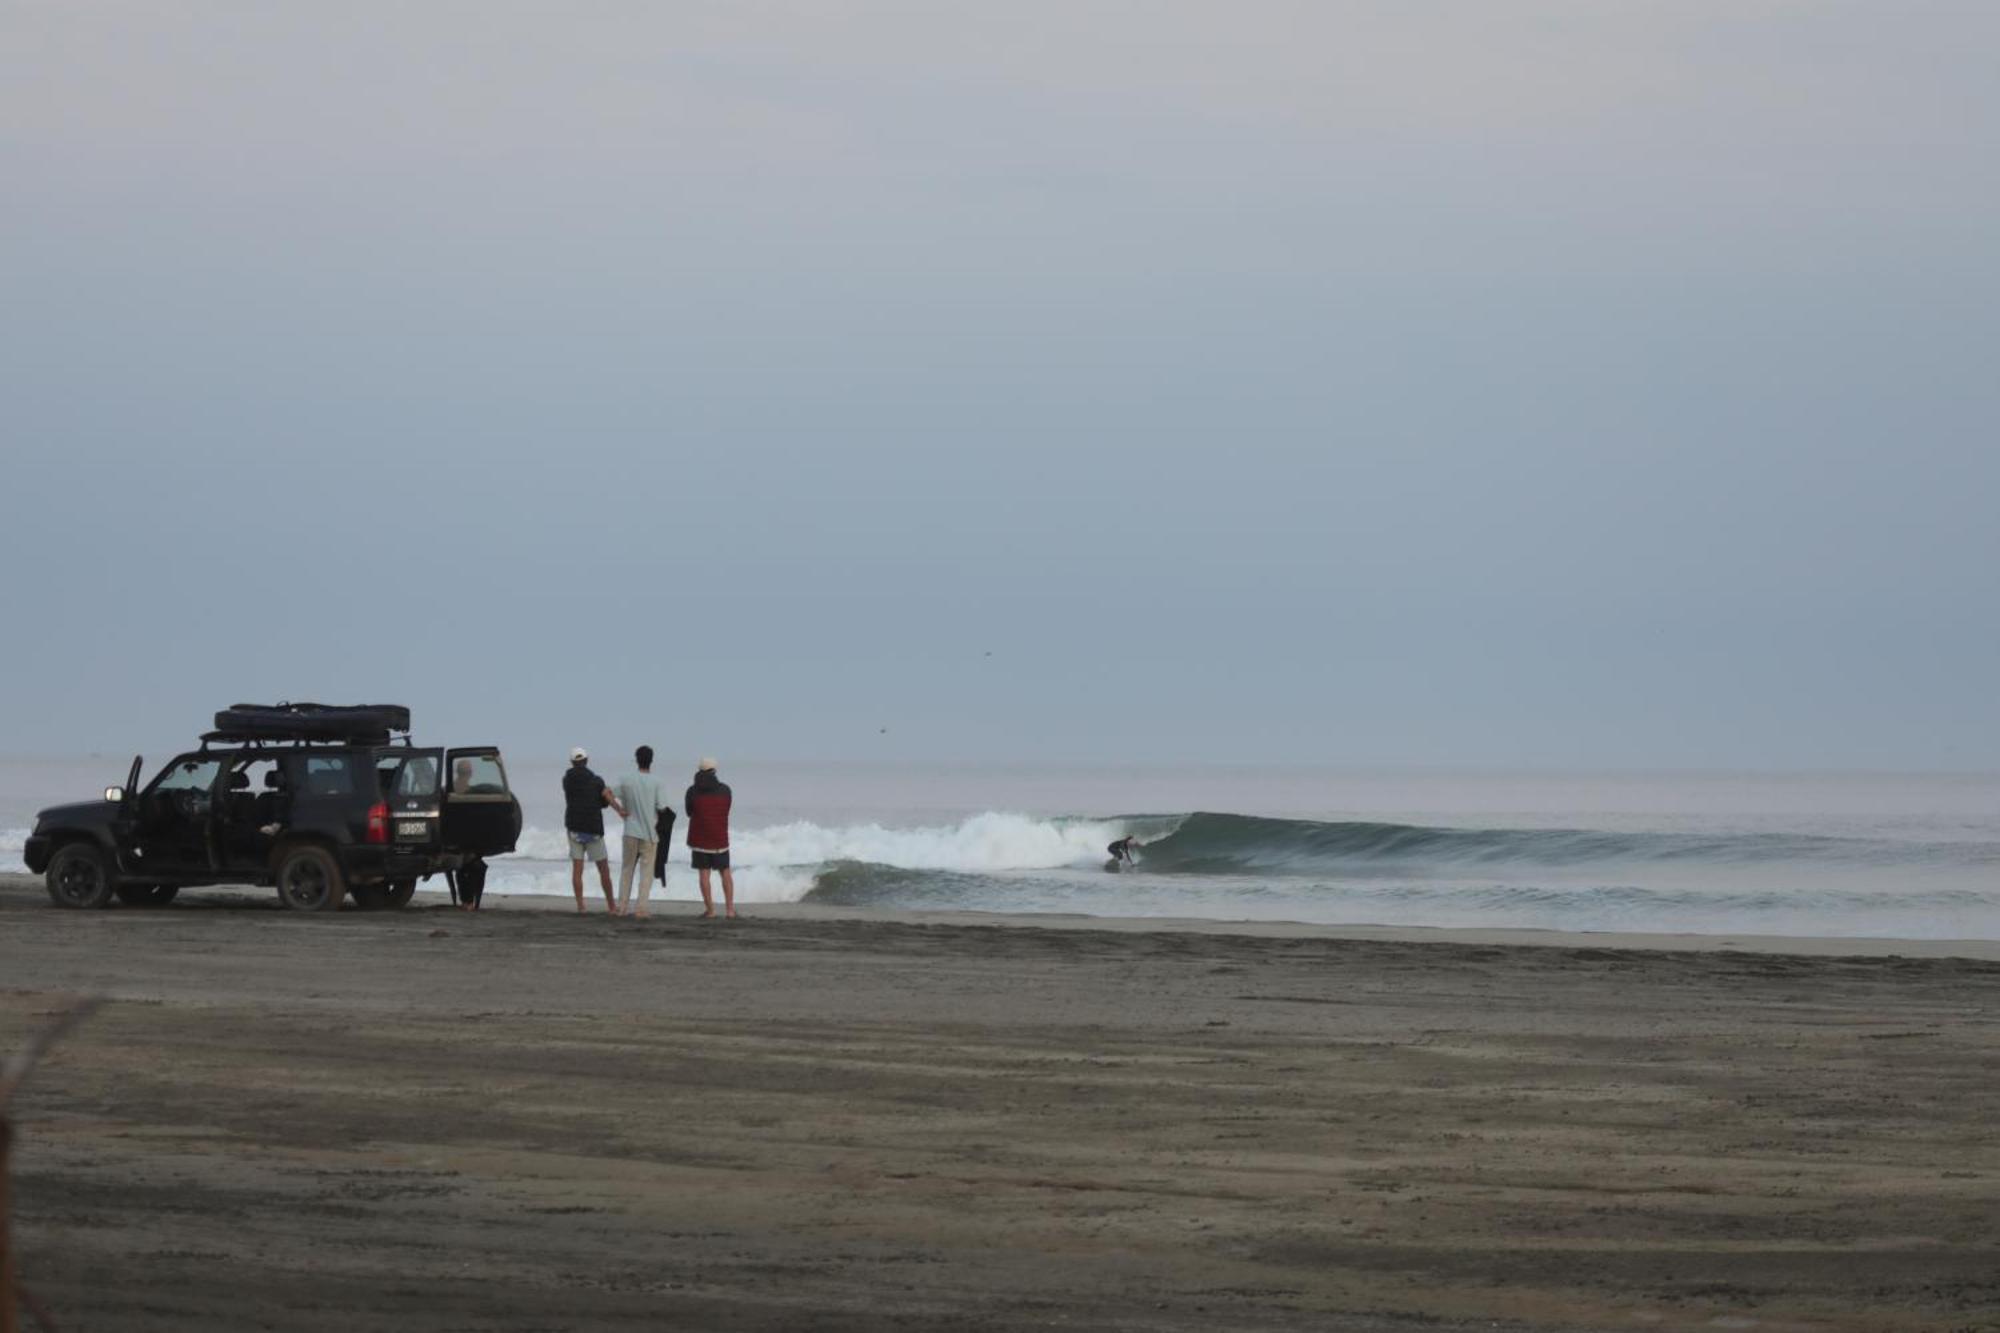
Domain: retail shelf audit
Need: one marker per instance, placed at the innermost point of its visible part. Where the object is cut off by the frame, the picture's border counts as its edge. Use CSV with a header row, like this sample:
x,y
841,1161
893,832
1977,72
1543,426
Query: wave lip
x,y
1219,844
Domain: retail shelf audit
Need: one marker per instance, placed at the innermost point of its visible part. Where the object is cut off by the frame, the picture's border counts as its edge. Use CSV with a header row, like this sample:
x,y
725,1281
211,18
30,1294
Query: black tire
x,y
80,876
309,880
147,895
398,892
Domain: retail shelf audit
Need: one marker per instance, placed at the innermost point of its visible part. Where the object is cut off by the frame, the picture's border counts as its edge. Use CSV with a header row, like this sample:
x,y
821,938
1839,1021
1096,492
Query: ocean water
x,y
1901,856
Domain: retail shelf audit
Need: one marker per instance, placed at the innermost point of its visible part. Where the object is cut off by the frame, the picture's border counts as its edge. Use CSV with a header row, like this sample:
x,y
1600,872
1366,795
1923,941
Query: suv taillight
x,y
378,822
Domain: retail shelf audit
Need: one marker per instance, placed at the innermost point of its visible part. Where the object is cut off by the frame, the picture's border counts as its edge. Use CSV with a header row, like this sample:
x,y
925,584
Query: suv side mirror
x,y
114,794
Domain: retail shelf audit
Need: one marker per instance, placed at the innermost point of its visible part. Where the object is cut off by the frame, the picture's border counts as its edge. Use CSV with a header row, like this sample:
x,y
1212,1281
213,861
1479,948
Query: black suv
x,y
321,802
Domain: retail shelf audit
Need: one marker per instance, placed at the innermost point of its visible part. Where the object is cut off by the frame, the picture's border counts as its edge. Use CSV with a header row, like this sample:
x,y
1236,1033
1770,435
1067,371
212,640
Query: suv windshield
x,y
196,774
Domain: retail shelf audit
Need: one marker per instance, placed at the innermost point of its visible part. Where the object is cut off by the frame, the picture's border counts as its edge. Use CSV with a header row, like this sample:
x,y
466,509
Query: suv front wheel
x,y
309,880
79,876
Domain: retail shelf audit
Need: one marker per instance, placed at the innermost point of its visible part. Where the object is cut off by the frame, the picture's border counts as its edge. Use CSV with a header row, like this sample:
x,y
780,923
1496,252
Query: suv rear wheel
x,y
309,880
79,876
147,895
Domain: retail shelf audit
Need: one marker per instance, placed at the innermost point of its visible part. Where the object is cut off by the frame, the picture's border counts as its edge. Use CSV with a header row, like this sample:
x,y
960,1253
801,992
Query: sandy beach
x,y
813,1120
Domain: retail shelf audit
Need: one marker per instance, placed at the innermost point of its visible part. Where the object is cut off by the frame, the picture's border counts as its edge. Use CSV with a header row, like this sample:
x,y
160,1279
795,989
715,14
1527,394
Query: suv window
x,y
418,776
255,775
326,775
478,775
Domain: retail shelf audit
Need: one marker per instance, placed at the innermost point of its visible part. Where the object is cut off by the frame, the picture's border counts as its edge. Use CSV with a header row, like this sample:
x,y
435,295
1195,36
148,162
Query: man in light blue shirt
x,y
642,798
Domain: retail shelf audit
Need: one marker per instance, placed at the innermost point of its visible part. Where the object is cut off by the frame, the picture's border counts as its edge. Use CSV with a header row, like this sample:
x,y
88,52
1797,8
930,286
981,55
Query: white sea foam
x,y
12,841
987,842
779,863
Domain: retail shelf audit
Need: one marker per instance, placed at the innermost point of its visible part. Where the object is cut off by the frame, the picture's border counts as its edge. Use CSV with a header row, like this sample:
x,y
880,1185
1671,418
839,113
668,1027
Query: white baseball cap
x,y
578,754
706,765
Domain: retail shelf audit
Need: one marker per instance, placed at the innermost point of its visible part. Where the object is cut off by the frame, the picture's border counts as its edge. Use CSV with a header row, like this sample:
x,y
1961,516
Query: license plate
x,y
412,828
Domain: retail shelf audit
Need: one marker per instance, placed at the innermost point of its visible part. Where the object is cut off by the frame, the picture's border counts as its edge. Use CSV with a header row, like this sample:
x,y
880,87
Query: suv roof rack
x,y
303,722
265,742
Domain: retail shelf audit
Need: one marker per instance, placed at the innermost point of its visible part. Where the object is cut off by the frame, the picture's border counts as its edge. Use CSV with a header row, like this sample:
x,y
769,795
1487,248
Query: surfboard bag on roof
x,y
311,722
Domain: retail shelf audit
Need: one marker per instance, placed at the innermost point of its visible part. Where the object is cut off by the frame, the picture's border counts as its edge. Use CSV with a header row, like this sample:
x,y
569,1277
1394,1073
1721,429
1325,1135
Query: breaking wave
x,y
1216,844
1244,866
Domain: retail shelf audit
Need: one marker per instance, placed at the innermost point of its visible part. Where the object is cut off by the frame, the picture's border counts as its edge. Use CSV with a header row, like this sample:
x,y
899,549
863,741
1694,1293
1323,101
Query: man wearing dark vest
x,y
584,799
707,806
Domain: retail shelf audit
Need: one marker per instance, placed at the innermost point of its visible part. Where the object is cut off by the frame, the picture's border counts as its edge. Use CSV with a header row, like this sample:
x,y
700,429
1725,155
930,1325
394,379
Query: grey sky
x,y
1491,383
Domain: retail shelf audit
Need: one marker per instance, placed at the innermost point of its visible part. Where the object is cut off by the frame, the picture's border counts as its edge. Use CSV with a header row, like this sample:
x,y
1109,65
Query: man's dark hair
x,y
644,754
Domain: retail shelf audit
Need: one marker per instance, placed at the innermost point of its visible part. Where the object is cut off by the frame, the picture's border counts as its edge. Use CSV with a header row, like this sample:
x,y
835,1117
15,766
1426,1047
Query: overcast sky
x,y
1505,382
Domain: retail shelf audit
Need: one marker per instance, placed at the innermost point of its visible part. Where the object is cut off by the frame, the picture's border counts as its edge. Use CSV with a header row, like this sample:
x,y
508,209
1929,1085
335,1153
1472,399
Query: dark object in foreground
x,y
12,1294
318,802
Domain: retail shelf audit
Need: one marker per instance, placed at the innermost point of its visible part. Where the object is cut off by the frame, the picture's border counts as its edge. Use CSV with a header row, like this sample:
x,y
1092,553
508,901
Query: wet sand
x,y
528,1121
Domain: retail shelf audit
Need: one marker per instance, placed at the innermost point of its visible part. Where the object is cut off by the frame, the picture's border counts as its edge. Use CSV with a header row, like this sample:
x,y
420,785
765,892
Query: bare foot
x,y
642,916
708,915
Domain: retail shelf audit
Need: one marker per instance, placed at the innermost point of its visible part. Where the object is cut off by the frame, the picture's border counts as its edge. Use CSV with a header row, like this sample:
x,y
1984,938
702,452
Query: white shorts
x,y
587,847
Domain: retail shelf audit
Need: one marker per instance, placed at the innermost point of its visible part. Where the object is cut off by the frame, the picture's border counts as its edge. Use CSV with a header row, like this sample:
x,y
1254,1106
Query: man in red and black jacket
x,y
707,806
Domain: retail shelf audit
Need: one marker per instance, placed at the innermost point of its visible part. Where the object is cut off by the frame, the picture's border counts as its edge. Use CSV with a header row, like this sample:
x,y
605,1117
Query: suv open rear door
x,y
411,788
481,815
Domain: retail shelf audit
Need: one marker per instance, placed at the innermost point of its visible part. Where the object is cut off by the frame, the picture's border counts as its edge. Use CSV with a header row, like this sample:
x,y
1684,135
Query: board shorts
x,y
587,847
712,860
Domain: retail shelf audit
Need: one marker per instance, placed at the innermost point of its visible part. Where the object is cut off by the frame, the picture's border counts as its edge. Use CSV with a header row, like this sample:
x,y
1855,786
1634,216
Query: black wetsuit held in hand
x,y
665,829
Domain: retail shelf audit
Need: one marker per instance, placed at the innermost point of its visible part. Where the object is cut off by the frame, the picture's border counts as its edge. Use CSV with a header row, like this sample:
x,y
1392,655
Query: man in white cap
x,y
584,799
707,806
